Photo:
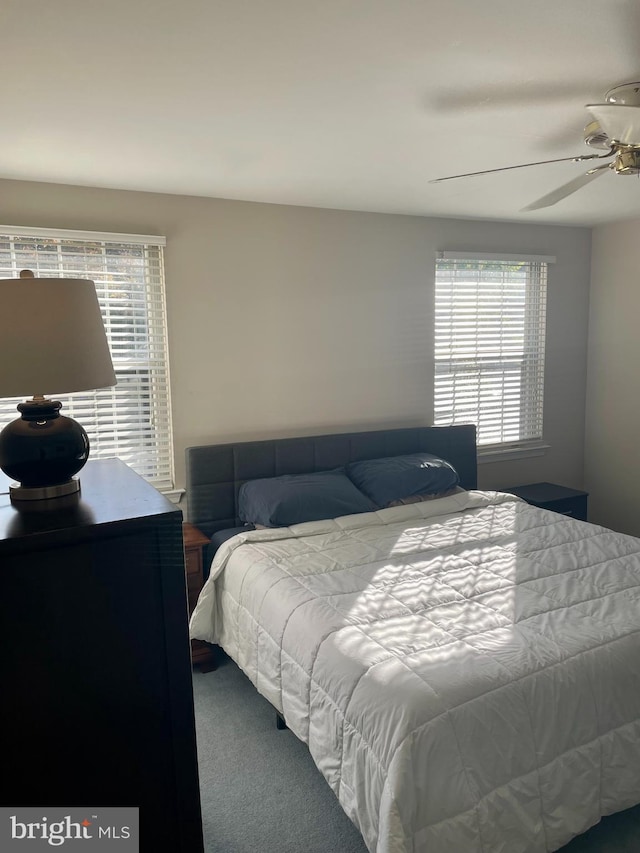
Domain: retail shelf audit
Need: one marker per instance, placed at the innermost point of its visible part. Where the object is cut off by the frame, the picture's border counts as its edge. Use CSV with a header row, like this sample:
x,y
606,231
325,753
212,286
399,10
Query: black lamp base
x,y
42,451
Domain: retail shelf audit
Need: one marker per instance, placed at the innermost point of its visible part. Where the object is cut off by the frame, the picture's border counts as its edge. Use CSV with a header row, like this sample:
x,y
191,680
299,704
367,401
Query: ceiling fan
x,y
615,127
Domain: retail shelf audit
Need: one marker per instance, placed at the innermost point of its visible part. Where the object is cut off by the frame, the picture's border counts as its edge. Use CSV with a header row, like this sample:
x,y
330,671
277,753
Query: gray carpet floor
x,y
261,792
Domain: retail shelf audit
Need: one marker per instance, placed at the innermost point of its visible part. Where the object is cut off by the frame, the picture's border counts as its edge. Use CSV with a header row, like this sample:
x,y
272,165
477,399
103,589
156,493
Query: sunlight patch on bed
x,y
447,595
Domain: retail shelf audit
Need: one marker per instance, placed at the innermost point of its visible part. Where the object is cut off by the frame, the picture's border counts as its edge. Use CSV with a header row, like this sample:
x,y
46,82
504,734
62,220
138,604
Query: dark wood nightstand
x,y
194,541
560,499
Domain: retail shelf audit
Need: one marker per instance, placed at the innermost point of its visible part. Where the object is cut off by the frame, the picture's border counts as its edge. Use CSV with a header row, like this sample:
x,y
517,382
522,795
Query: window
x,y
489,346
131,420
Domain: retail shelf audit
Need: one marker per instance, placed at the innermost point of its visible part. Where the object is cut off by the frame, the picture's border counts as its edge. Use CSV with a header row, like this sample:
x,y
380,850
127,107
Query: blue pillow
x,y
394,478
293,498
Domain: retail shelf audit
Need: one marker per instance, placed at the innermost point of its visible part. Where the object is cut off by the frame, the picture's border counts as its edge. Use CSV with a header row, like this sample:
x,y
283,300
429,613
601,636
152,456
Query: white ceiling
x,y
353,104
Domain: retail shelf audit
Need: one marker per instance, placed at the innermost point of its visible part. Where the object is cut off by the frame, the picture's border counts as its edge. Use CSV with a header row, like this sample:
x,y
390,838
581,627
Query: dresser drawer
x,y
194,542
566,501
575,507
192,594
193,562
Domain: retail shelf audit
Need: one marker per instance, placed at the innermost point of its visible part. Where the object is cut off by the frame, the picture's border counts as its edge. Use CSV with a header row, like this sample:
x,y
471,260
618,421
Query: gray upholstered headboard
x,y
215,472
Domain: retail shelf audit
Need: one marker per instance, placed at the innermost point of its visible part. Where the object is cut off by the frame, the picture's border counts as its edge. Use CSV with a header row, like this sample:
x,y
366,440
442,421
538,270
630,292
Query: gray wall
x,y
291,320
612,461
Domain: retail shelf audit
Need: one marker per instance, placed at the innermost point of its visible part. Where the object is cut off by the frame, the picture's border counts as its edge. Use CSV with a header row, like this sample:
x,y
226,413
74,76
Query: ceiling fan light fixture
x,y
595,137
628,94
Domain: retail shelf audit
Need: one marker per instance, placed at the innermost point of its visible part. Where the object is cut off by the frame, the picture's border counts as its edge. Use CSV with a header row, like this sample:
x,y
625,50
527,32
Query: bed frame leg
x,y
280,723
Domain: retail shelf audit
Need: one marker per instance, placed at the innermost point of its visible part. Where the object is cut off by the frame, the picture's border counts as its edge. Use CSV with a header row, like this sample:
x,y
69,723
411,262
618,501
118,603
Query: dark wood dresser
x,y
97,701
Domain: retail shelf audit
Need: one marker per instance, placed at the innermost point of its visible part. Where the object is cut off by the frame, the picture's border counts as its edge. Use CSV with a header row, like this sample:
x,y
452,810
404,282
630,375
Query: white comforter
x,y
466,671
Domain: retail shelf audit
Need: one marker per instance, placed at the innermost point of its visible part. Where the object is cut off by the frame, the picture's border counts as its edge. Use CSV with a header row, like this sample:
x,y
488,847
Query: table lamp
x,y
52,339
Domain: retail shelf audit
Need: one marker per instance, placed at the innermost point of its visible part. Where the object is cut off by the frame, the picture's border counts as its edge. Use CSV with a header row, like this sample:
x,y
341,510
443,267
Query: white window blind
x,y
132,420
489,346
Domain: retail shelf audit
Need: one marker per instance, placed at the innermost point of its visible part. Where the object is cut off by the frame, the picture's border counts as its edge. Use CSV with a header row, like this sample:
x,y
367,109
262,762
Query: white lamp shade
x,y
52,338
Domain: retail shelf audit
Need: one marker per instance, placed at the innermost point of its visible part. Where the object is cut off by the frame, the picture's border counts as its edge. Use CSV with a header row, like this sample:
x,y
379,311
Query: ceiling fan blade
x,y
522,166
620,122
566,189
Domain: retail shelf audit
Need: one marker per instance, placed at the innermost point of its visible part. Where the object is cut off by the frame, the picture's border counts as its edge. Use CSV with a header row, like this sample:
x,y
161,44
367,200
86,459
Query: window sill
x,y
507,453
174,495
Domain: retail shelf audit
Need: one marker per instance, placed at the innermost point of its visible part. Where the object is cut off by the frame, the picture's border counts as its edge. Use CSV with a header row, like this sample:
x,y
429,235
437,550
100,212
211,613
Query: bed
x,y
464,669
